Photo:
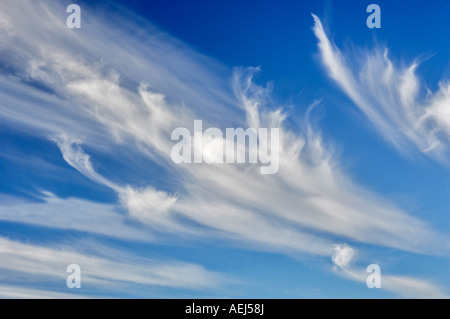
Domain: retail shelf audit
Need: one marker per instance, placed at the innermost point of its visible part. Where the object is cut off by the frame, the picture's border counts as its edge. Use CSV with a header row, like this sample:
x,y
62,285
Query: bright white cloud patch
x,y
342,255
147,205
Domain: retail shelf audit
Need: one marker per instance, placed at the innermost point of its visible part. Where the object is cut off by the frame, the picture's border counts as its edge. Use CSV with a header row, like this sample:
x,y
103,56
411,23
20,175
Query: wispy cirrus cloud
x,y
408,287
101,268
307,169
404,112
17,292
73,214
84,88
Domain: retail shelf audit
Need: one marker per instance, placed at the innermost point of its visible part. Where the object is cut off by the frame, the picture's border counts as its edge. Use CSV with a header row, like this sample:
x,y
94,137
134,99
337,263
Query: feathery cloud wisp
x,y
392,97
25,262
404,286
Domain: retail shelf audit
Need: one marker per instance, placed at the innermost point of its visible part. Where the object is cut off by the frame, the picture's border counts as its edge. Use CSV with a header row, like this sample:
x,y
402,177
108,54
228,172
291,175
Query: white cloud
x,y
309,195
75,157
342,255
391,96
15,292
407,287
130,94
105,269
73,214
147,205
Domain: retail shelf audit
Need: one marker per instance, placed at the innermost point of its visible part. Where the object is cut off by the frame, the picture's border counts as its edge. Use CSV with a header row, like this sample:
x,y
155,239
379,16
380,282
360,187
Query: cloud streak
x,y
73,214
407,287
100,269
392,97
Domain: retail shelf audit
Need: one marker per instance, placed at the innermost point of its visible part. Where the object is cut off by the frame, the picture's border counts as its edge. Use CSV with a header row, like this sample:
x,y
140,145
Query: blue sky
x,y
86,117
